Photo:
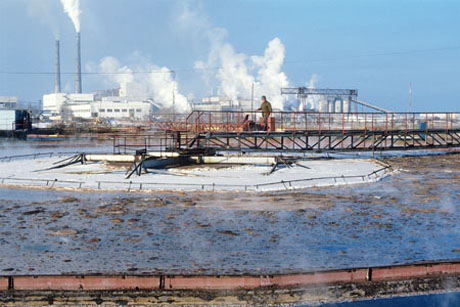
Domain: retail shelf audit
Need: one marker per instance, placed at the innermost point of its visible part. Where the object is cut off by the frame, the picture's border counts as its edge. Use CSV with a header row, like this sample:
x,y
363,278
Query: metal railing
x,y
157,141
233,121
45,182
36,155
287,184
139,186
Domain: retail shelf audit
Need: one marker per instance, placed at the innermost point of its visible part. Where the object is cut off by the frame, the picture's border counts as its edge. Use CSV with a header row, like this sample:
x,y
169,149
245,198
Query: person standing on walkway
x,y
266,108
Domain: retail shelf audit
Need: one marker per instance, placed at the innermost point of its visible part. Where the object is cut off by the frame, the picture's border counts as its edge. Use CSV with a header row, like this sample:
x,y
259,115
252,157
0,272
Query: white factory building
x,y
131,103
223,103
8,102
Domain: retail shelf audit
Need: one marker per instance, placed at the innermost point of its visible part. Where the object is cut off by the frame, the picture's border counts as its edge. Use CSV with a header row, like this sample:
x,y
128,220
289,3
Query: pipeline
x,y
330,285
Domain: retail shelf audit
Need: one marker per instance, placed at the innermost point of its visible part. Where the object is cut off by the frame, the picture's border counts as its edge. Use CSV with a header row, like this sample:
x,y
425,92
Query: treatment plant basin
x,y
408,217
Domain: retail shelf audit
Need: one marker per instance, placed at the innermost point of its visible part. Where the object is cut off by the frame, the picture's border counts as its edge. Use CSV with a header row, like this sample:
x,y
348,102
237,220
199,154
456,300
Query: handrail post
x,y
295,117
319,122
306,121
406,123
238,123
365,123
282,124
447,122
386,123
372,122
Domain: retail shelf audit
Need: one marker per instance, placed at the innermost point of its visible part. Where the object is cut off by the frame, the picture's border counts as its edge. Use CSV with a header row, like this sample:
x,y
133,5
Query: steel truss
x,y
316,140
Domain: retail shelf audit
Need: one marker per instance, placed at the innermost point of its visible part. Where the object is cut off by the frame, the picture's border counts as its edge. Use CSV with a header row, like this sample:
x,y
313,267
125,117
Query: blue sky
x,y
377,47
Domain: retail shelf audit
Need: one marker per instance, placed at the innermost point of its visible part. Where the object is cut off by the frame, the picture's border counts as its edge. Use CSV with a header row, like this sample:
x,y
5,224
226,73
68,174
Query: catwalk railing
x,y
234,130
234,121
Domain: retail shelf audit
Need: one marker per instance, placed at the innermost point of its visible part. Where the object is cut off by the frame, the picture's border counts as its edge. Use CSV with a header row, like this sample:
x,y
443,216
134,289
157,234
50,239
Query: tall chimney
x,y
78,67
57,69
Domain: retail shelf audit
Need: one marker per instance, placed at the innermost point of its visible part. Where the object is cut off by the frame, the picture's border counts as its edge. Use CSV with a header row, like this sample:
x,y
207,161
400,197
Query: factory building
x,y
8,102
122,108
129,102
64,106
68,107
222,103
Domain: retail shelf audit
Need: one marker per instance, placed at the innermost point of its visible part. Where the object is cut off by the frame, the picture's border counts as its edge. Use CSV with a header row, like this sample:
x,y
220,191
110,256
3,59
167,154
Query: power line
x,y
5,72
402,52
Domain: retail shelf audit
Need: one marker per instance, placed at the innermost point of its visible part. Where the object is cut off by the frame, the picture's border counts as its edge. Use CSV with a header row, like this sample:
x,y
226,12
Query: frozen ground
x,y
99,176
410,216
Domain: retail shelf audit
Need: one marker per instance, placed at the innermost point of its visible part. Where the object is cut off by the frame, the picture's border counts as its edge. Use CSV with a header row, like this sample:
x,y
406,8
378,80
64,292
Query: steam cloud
x,y
72,8
269,75
237,71
312,101
158,82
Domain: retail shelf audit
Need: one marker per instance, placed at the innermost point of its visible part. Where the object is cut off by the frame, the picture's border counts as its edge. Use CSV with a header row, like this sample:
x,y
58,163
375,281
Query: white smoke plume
x,y
162,86
237,71
233,75
47,12
159,82
116,73
269,75
312,101
72,8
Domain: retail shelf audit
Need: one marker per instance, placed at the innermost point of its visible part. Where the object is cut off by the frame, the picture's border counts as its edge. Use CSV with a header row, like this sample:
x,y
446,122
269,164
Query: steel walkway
x,y
211,131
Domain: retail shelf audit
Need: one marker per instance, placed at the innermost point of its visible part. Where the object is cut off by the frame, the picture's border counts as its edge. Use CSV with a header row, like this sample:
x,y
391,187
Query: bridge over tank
x,y
210,131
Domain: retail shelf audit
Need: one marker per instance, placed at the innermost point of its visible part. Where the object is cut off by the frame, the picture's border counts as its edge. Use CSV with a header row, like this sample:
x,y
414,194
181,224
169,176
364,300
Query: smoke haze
x,y
47,12
236,71
72,8
158,82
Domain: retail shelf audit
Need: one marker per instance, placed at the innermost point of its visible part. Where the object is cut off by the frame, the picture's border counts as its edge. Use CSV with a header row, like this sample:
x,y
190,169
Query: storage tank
x,y
331,106
338,106
322,106
346,106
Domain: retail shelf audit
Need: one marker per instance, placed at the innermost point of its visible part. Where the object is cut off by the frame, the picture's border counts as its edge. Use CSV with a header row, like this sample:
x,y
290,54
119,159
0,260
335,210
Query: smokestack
x,y
78,67
57,69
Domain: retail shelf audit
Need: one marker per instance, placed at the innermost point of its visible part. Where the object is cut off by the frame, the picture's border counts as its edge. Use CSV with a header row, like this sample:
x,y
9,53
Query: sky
x,y
204,47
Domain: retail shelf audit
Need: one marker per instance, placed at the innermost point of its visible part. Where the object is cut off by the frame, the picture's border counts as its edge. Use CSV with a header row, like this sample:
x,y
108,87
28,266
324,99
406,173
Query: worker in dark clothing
x,y
247,123
266,109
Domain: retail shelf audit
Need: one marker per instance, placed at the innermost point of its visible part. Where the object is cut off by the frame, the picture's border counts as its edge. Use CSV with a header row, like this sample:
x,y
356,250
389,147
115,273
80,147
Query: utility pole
x,y
173,74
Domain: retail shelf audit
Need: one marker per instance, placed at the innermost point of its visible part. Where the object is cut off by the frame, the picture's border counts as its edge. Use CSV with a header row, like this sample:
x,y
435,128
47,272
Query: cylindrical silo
x,y
338,106
346,106
322,106
331,106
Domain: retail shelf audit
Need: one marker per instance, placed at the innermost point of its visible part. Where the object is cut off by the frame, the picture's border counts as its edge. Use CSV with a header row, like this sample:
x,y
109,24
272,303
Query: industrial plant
x,y
129,102
176,166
